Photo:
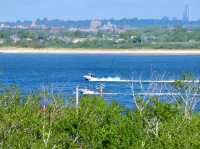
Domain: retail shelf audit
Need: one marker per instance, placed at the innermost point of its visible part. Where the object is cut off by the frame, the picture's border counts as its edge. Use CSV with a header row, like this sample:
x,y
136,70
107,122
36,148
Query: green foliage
x,y
94,124
149,37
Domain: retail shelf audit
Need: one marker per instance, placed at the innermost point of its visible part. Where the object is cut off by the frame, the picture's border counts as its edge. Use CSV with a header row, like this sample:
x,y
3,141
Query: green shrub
x,y
94,124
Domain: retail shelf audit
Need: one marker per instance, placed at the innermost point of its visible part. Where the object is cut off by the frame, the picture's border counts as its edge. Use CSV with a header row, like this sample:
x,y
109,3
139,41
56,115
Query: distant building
x,y
121,30
1,41
109,27
15,38
95,25
2,25
186,13
33,25
112,28
21,27
78,40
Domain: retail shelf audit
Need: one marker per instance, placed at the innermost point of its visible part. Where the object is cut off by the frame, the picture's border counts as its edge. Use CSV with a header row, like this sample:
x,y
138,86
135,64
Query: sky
x,y
13,10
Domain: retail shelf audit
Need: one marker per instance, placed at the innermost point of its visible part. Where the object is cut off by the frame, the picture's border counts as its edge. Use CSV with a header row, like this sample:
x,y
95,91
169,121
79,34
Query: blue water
x,y
63,73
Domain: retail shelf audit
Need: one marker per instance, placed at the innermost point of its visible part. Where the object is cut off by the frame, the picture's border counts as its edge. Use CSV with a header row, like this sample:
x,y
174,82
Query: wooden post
x,y
77,96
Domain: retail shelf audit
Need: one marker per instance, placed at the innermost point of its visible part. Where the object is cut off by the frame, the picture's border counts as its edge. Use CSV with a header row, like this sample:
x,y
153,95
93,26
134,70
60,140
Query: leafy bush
x,y
94,124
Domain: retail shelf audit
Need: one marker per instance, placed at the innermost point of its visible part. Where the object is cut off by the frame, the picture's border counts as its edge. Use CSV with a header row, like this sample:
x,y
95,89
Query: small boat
x,y
89,76
87,92
92,78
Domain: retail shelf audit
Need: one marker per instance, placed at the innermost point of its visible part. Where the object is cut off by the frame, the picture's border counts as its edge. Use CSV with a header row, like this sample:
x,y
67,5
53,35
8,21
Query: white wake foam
x,y
118,79
108,79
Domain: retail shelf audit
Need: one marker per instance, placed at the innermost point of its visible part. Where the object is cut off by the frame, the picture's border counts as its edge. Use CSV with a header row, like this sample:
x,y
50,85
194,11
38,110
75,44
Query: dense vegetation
x,y
151,37
44,120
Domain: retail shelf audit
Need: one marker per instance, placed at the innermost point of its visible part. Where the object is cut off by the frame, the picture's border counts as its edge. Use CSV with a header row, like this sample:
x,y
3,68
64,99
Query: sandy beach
x,y
101,51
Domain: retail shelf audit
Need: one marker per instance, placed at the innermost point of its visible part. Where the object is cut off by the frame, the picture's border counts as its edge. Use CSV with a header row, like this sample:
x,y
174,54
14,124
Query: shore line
x,y
102,51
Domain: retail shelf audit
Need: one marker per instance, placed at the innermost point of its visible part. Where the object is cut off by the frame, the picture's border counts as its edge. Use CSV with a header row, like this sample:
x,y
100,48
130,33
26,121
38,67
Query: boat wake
x,y
93,78
107,79
118,79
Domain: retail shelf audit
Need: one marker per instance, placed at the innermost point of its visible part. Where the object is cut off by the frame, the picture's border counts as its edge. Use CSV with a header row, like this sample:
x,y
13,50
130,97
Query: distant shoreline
x,y
100,51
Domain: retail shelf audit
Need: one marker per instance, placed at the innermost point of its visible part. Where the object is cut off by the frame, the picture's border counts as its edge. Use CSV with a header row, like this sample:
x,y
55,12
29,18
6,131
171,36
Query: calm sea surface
x,y
63,73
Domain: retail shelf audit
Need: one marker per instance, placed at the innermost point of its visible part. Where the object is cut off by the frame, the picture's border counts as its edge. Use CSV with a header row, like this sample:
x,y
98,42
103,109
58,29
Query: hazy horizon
x,y
14,10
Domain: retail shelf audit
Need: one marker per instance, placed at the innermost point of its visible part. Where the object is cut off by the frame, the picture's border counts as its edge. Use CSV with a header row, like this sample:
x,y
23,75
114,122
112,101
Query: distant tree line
x,y
151,37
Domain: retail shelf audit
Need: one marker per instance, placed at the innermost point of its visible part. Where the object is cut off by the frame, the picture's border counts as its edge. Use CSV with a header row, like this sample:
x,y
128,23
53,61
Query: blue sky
x,y
12,10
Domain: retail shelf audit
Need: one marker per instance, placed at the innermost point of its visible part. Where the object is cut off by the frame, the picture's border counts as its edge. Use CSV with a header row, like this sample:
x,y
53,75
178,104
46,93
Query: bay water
x,y
63,72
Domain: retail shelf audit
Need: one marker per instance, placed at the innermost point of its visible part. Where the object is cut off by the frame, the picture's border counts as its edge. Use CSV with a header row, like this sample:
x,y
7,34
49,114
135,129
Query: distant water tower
x,y
186,13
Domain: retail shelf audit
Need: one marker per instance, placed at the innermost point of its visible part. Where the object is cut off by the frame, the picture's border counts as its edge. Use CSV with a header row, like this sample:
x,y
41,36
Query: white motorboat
x,y
89,76
87,92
